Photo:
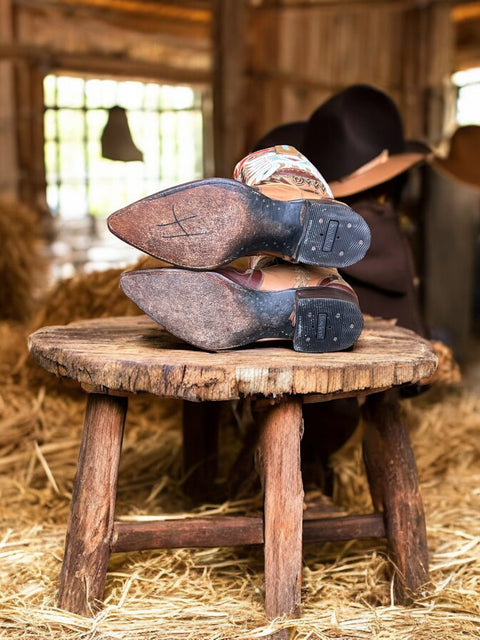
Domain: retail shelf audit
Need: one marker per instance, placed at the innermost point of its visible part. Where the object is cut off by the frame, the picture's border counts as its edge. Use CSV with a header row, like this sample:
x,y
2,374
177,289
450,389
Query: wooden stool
x,y
112,358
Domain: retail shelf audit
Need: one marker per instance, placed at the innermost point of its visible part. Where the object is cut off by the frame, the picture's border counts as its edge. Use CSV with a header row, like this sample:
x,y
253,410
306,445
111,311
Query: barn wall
x,y
267,62
38,37
466,18
301,53
8,143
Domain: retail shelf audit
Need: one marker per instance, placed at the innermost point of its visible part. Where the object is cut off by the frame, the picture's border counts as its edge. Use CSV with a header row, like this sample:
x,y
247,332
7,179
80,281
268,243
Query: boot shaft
x,y
282,173
280,277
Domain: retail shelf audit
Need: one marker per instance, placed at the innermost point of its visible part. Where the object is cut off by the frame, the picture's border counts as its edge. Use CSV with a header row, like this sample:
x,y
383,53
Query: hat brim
x,y
392,167
469,176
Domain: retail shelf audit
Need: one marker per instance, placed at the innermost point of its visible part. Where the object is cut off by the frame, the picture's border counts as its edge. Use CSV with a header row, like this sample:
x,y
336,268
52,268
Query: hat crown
x,y
462,160
351,129
465,144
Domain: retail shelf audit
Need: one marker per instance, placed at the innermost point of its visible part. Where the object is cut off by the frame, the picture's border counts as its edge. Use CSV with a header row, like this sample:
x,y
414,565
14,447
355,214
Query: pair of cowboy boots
x,y
279,212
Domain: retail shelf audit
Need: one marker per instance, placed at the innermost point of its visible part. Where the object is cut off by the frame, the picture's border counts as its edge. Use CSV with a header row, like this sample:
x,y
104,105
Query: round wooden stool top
x,y
133,354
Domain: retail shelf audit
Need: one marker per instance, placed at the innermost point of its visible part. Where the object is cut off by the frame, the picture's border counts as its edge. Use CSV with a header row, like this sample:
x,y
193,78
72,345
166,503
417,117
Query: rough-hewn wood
x,y
466,17
200,448
427,102
402,502
229,42
190,20
304,52
374,465
168,42
451,314
122,355
229,531
29,91
90,528
8,143
278,460
134,355
81,30
212,531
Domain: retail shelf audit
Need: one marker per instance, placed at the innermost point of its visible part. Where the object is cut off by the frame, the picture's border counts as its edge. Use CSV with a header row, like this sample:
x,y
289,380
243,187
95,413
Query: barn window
x,y
468,99
165,125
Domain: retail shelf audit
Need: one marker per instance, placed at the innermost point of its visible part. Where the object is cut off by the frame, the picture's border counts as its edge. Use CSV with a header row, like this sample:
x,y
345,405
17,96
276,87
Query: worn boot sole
x,y
208,223
211,312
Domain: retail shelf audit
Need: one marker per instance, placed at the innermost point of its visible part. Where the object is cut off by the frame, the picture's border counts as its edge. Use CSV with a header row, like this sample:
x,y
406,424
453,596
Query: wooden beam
x,y
228,531
103,65
467,57
9,174
190,20
91,522
229,39
335,4
465,11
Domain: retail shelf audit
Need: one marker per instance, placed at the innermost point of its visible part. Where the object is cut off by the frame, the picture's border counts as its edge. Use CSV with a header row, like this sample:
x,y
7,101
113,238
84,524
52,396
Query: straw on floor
x,y
216,594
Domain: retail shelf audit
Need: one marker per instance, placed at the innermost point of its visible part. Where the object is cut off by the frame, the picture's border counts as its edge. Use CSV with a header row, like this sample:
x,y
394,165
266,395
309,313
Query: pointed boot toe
x,y
205,224
213,312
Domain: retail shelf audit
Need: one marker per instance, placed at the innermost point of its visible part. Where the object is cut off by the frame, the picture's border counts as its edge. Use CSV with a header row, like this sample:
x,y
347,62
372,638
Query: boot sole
x,y
213,313
208,223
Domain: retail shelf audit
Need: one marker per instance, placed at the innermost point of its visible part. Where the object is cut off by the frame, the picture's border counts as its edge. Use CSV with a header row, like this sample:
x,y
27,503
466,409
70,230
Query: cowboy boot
x,y
278,205
228,308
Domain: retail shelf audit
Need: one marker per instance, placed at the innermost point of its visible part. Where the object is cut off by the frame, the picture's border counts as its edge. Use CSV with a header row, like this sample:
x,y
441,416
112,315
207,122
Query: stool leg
x,y
90,528
200,447
392,472
278,459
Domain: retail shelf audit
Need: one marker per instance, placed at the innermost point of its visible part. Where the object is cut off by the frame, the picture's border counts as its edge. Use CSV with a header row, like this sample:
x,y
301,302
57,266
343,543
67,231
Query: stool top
x,y
133,354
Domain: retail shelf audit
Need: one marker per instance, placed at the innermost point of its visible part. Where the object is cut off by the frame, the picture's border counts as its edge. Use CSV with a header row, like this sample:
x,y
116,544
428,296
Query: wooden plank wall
x,y
266,61
466,17
8,143
300,53
169,44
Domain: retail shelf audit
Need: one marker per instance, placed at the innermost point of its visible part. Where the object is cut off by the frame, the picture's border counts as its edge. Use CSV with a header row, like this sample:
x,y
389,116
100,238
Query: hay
x,y
217,594
23,263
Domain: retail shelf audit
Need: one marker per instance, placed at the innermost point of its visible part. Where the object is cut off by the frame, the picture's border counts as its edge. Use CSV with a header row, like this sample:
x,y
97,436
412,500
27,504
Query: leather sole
x,y
213,313
208,223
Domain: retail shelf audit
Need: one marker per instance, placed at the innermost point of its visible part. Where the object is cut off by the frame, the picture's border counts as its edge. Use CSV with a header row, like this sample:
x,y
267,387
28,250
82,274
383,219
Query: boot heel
x,y
334,235
325,321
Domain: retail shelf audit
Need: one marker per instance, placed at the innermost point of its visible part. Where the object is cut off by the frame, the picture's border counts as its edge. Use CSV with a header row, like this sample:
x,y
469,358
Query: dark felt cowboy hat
x,y
290,133
462,160
355,139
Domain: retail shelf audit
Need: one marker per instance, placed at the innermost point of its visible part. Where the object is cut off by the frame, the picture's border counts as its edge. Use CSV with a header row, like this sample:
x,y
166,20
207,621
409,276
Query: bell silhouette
x,y
117,142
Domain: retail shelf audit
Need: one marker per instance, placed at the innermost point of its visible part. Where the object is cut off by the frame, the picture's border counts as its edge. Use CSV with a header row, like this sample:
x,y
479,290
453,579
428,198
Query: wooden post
x,y
228,41
90,529
8,113
278,459
395,478
200,447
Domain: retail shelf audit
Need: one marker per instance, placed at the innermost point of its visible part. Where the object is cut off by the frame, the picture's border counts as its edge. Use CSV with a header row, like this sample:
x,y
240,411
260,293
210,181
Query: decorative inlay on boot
x,y
208,223
212,311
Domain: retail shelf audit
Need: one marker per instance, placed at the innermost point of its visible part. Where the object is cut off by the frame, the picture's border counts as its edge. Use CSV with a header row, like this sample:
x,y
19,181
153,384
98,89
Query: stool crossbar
x,y
115,357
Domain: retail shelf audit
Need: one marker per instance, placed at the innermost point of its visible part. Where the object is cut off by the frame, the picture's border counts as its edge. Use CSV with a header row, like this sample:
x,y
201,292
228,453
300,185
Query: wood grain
x,y
135,355
393,477
90,527
278,460
229,531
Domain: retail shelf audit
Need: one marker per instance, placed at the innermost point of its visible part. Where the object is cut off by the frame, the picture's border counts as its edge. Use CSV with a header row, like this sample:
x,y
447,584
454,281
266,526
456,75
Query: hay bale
x,y
91,295
84,296
216,593
23,265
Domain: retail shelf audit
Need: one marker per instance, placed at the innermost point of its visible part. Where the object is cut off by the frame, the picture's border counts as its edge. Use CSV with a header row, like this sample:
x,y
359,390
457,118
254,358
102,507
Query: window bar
x,y
58,177
160,132
86,163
